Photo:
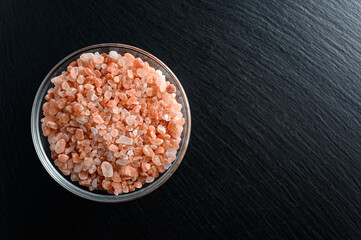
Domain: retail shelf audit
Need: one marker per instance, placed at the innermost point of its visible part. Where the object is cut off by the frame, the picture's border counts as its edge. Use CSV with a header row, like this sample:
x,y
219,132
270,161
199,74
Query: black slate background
x,y
274,89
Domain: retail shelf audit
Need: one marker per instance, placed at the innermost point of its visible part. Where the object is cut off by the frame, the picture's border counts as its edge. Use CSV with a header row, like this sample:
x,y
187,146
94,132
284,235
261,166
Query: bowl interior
x,y
42,146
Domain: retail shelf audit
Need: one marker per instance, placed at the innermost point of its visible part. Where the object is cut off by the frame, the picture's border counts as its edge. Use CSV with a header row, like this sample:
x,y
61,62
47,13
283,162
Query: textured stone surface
x,y
274,88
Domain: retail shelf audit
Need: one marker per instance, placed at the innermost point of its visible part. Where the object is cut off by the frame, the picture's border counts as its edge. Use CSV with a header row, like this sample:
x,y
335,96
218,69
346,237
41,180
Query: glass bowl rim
x,y
70,186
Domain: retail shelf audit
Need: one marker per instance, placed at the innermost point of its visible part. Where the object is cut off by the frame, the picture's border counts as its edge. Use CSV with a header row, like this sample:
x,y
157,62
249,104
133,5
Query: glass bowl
x,y
42,146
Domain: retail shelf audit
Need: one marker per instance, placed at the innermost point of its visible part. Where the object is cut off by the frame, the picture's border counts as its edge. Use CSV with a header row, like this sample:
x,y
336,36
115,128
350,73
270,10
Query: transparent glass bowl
x,y
42,146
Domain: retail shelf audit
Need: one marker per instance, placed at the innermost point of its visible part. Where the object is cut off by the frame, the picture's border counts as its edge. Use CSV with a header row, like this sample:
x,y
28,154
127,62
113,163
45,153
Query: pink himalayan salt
x,y
114,133
124,140
156,160
96,112
161,129
149,179
63,157
128,171
60,146
145,167
112,148
156,141
98,59
138,184
98,119
79,134
148,151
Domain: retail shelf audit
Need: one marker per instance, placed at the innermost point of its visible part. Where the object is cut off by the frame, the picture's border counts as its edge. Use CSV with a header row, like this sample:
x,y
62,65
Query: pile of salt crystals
x,y
112,121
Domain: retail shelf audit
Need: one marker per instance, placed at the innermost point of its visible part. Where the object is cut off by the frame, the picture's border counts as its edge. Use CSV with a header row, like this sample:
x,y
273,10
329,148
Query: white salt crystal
x,y
159,72
116,110
96,161
94,97
124,140
95,183
78,167
167,165
113,54
107,137
130,153
166,117
122,162
130,119
86,56
149,179
74,177
94,130
69,149
171,152
81,120
107,169
82,128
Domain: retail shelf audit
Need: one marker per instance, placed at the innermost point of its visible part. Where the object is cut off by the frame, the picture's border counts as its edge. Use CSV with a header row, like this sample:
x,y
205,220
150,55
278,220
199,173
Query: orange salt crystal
x,y
128,171
159,150
116,177
156,141
78,108
129,57
112,67
141,72
130,74
60,146
117,188
79,134
114,133
74,72
112,148
156,160
111,104
83,175
148,151
52,125
171,88
63,157
116,79
61,103
161,129
98,119
89,72
63,118
138,184
98,59
106,184
88,161
138,63
149,92
132,100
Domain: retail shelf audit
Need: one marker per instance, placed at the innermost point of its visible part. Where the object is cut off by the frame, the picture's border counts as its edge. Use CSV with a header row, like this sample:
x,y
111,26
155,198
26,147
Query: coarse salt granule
x,y
113,122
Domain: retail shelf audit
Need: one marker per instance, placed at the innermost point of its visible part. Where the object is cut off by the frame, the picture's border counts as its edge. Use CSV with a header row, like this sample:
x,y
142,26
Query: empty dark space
x,y
274,93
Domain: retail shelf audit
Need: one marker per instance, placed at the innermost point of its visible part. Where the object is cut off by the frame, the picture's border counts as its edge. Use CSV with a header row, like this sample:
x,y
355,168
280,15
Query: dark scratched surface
x,y
274,90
